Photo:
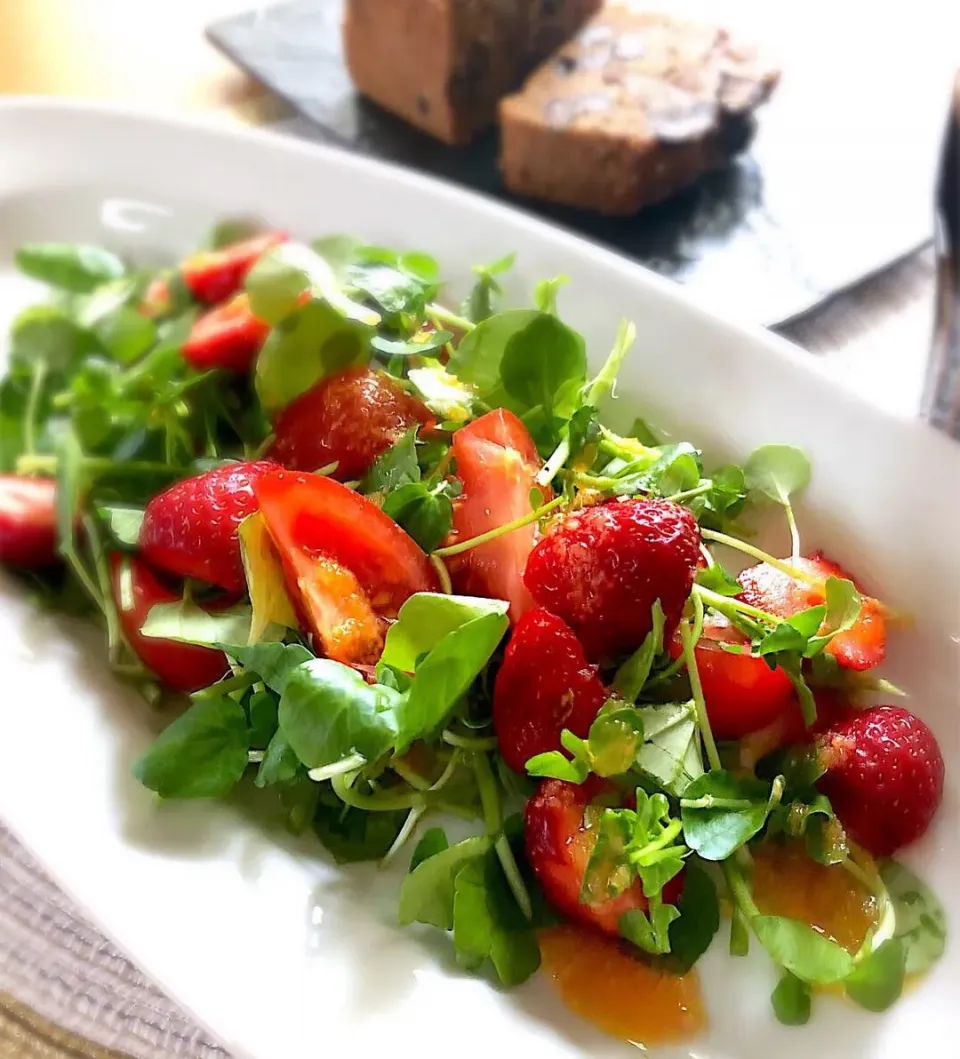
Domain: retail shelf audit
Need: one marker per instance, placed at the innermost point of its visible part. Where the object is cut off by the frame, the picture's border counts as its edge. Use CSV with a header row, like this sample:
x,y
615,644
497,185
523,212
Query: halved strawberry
x,y
28,521
497,463
214,275
558,846
861,647
544,686
227,338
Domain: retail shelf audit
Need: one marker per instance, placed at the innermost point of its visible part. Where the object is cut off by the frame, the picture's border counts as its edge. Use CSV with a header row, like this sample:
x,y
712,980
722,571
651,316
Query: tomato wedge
x,y
348,562
742,693
497,464
861,647
182,667
214,275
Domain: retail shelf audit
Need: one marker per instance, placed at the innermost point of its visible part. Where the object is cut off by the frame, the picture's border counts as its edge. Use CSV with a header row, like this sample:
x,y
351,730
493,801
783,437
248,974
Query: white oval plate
x,y
280,953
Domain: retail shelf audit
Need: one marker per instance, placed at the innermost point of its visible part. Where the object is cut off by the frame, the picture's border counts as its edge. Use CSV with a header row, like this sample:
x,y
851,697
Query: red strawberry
x,y
543,686
28,521
603,568
884,777
156,298
191,529
182,667
862,647
742,693
215,275
228,337
349,418
558,846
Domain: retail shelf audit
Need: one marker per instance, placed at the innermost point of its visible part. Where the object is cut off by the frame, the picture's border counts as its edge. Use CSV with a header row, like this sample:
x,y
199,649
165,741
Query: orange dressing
x,y
619,993
786,882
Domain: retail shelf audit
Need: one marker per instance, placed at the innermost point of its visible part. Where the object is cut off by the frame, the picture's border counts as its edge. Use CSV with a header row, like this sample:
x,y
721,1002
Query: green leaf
x,y
801,950
328,711
842,610
606,378
670,755
479,303
477,358
202,754
186,622
312,343
541,361
433,841
675,470
353,835
425,513
777,472
791,1000
43,334
632,675
423,344
718,580
425,619
546,291
649,933
722,812
126,334
614,739
487,924
427,892
699,920
877,981
395,467
280,764
123,523
921,923
554,765
74,267
794,633
273,662
444,394
394,293
445,675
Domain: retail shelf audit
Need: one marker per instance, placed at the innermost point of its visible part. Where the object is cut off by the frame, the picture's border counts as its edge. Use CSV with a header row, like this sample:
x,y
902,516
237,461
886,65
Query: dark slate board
x,y
837,185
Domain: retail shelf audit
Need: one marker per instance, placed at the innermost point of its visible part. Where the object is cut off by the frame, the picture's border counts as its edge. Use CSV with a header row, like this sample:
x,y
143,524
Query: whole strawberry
x,y
543,686
884,777
603,568
191,529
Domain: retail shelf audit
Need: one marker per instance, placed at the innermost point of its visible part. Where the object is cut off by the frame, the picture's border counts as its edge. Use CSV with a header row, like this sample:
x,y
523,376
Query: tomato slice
x,y
497,464
861,647
228,337
182,667
741,692
346,559
214,275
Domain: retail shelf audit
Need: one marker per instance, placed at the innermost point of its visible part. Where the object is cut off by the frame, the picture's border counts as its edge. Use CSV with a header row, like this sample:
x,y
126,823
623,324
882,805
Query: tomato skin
x,y
228,337
497,464
741,692
311,515
860,648
349,419
182,667
212,276
28,522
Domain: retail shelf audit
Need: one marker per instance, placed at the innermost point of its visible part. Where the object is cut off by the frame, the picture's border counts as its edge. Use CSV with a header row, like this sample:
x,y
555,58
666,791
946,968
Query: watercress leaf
x,y
426,618
632,675
353,835
477,358
842,610
542,359
676,469
278,281
231,230
445,675
649,933
315,341
432,842
670,756
202,754
921,923
74,267
339,251
727,495
443,393
479,303
273,662
186,622
721,812
271,609
554,765
791,1000
425,513
614,739
801,950
718,580
699,920
280,764
427,892
395,467
328,711
606,378
777,472
546,291
423,344
487,924
582,430
123,523
262,716
45,335
876,982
